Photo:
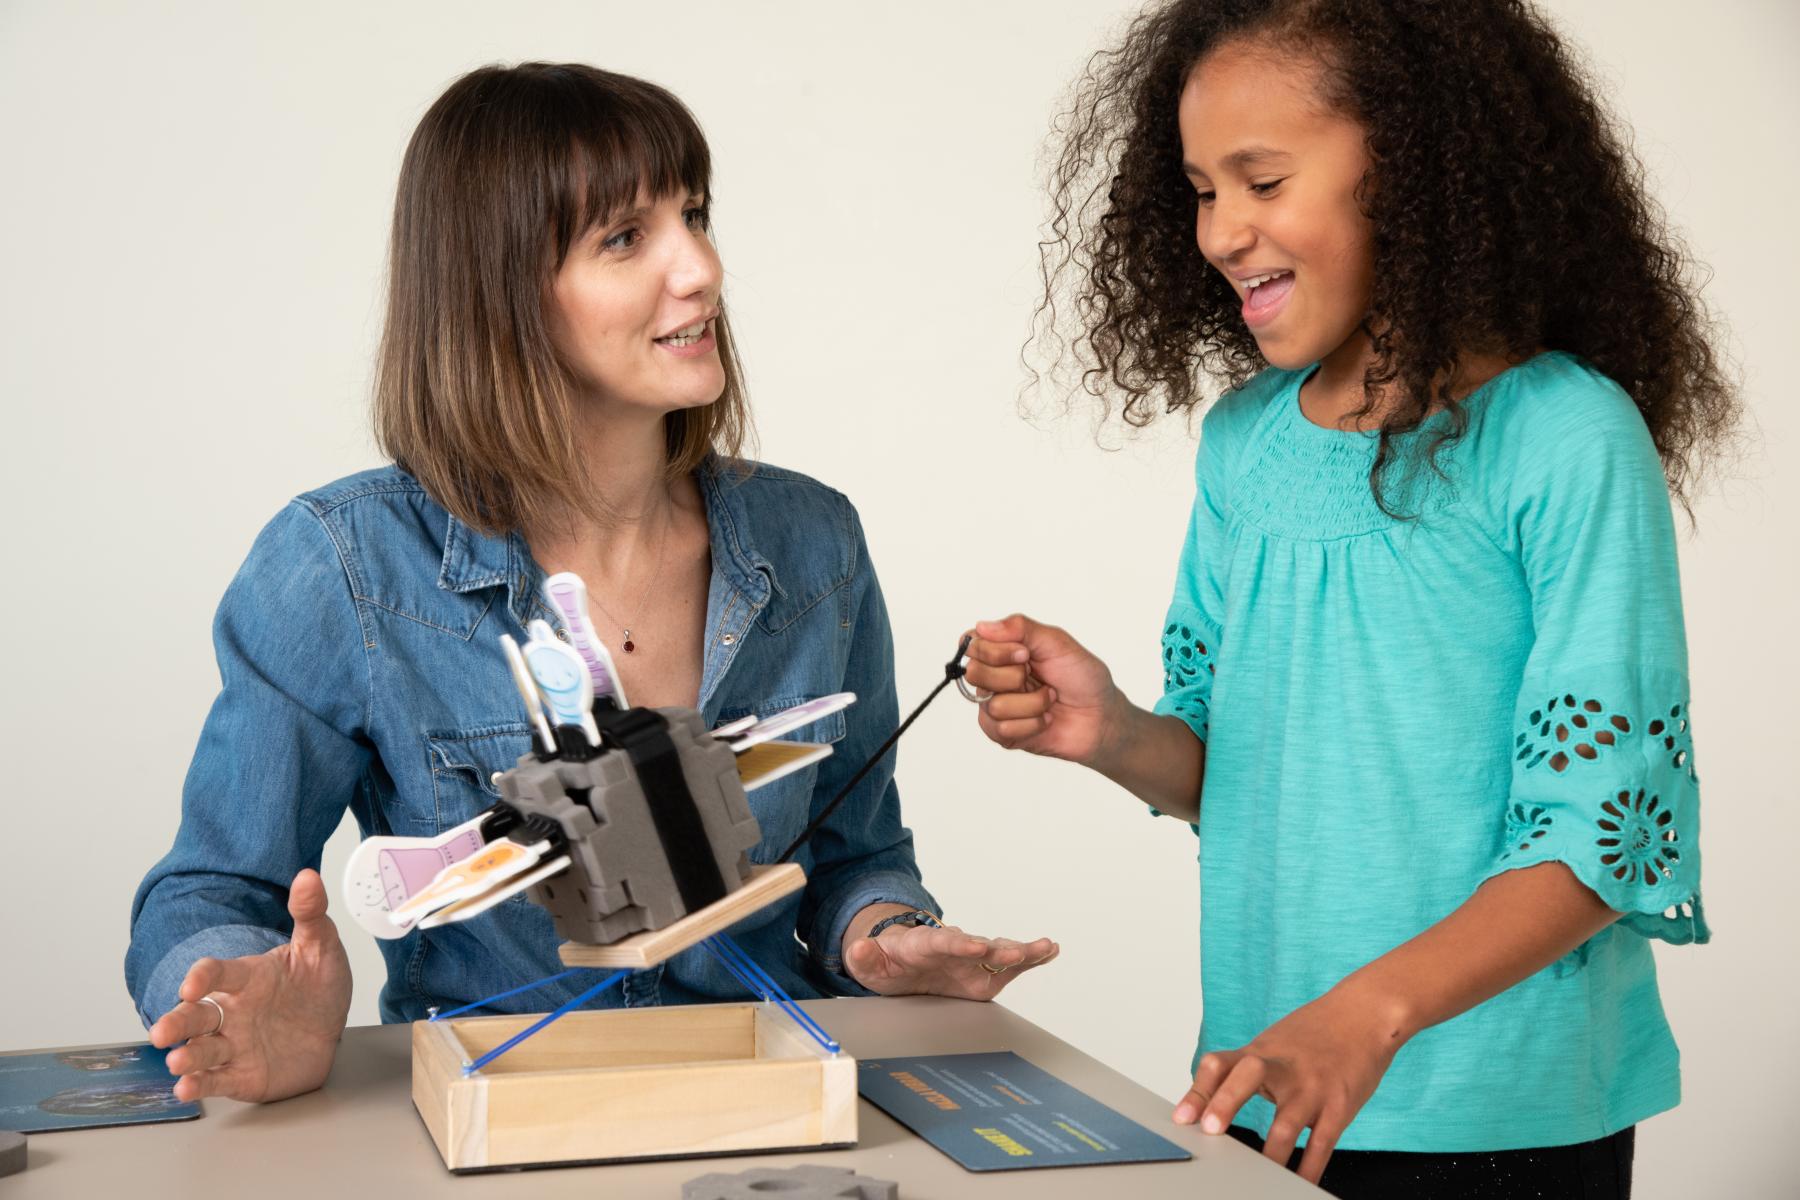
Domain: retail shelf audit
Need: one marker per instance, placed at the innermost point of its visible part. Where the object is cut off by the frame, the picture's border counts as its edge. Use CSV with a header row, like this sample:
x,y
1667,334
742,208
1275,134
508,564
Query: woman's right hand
x,y
1051,696
284,1011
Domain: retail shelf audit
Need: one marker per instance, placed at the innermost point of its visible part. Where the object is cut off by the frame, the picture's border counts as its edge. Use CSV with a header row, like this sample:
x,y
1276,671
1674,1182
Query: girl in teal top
x,y
1426,692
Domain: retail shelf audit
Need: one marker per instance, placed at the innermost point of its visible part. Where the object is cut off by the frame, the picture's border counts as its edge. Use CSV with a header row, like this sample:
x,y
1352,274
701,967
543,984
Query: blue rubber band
x,y
799,1014
783,1002
757,971
571,1006
438,1016
737,973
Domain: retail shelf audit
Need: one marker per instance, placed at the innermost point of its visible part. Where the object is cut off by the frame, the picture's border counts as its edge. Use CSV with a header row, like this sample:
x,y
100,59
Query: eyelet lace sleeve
x,y
1191,629
1601,740
1188,645
1604,782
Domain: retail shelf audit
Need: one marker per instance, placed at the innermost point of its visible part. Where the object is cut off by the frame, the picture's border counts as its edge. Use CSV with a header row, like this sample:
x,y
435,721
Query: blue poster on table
x,y
997,1112
82,1089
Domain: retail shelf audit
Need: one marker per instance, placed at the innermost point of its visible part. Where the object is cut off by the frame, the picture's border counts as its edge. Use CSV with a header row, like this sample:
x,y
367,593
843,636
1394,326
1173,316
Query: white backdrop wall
x,y
192,223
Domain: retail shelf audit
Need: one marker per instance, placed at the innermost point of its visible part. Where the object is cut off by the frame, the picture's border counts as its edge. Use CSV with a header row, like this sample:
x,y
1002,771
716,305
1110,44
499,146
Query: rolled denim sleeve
x,y
279,758
862,854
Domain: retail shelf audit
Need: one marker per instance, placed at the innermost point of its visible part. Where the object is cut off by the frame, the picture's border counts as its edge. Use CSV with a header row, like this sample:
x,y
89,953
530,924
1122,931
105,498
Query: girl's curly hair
x,y
1508,214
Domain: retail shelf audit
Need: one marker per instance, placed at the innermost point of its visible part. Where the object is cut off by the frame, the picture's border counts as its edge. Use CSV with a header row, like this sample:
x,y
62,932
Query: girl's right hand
x,y
1051,696
283,1012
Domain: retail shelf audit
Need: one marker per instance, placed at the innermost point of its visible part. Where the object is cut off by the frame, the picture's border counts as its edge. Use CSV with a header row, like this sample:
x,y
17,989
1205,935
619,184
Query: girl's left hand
x,y
1319,1065
909,960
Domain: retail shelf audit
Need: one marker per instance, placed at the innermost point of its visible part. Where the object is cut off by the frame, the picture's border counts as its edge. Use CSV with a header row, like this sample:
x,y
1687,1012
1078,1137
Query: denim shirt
x,y
360,663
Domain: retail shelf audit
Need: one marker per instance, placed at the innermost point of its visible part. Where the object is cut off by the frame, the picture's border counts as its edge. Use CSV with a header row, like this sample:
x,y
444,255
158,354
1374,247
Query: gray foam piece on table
x,y
12,1152
805,1182
619,881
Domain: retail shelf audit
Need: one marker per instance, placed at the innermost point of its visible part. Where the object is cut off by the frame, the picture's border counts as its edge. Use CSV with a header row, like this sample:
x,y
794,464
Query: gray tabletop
x,y
358,1136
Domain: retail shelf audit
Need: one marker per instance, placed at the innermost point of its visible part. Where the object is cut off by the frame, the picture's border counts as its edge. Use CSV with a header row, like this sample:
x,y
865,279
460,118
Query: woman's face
x,y
633,306
1276,173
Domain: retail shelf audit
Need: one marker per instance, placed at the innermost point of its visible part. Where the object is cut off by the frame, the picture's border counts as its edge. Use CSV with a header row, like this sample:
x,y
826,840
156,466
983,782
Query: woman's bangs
x,y
627,149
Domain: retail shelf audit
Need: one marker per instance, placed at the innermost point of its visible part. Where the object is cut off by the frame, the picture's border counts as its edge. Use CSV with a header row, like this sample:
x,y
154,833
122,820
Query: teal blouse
x,y
1398,709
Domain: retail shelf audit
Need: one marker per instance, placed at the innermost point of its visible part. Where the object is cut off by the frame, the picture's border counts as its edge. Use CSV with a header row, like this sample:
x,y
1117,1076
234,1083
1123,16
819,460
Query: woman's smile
x,y
691,341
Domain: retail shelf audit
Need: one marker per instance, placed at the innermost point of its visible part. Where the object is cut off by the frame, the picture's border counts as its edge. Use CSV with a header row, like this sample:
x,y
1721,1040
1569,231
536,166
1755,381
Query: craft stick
x,y
528,692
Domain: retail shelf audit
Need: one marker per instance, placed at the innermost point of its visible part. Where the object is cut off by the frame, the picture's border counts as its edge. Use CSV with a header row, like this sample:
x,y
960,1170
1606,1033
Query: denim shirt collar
x,y
742,579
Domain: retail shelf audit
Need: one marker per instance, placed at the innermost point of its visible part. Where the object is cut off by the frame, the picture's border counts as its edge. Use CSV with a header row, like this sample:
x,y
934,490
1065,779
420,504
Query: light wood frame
x,y
619,1084
767,884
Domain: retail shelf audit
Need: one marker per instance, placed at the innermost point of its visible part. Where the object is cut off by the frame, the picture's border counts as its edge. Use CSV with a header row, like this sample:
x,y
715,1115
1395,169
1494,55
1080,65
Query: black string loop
x,y
953,670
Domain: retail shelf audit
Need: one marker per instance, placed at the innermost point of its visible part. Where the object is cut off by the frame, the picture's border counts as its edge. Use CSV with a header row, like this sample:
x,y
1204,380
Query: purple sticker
x,y
405,871
569,595
791,719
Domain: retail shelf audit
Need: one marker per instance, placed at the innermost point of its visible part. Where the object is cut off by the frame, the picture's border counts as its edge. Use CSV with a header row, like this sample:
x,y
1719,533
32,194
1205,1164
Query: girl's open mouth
x,y
1266,297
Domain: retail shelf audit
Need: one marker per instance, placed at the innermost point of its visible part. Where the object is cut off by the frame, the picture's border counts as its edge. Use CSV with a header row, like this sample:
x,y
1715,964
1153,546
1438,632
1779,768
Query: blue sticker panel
x,y
997,1112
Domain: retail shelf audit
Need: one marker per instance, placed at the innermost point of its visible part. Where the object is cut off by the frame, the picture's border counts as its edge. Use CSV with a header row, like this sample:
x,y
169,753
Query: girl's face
x,y
1276,173
633,306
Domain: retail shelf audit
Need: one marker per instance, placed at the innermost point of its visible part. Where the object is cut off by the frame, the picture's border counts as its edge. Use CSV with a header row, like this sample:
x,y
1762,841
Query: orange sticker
x,y
499,861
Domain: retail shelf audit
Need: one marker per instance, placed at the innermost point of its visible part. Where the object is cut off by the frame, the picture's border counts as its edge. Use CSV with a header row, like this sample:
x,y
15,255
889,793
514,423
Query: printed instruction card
x,y
997,1112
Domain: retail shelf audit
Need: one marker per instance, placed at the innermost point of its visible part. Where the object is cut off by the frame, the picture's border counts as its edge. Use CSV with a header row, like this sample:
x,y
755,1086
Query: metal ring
x,y
218,1008
991,970
973,695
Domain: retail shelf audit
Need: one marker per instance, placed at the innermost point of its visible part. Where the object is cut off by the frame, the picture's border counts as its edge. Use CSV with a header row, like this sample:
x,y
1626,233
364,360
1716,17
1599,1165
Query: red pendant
x,y
629,646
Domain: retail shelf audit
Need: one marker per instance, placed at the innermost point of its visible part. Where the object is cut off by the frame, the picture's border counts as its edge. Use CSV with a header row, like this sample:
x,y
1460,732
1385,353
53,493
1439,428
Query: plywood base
x,y
767,884
630,1084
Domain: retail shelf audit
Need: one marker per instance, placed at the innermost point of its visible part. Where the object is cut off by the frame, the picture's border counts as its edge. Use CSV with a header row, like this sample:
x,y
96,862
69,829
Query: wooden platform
x,y
620,1084
767,884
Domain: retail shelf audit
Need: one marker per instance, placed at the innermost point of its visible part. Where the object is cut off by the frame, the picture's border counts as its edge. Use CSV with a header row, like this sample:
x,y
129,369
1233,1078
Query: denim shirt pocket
x,y
463,766
782,808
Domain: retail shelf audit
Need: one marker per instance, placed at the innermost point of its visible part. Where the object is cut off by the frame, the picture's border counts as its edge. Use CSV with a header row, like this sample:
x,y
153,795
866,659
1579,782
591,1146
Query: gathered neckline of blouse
x,y
1304,482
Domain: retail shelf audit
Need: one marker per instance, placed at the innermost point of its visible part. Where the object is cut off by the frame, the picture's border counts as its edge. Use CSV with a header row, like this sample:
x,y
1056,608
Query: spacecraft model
x,y
619,821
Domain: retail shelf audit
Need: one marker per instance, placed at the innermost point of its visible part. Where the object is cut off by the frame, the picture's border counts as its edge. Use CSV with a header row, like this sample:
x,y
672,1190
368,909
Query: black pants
x,y
1597,1170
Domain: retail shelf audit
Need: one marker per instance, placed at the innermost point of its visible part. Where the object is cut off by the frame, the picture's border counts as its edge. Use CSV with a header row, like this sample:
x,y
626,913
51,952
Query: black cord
x,y
953,670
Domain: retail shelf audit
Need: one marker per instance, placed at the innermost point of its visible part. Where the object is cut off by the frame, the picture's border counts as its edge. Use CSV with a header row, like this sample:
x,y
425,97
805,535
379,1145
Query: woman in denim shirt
x,y
558,390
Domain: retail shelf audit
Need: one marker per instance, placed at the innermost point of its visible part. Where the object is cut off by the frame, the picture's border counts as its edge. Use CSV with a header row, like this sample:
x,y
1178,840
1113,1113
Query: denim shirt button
x,y
562,635
728,638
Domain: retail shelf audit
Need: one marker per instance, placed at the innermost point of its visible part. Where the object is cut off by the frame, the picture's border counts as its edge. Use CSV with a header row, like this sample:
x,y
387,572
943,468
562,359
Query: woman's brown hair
x,y
505,172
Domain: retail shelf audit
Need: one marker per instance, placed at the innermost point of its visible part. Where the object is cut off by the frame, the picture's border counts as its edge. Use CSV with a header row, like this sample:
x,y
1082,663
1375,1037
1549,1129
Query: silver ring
x,y
973,695
218,1008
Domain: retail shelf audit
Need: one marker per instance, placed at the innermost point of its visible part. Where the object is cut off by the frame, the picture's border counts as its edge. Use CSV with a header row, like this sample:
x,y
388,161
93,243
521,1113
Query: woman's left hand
x,y
1318,1065
920,960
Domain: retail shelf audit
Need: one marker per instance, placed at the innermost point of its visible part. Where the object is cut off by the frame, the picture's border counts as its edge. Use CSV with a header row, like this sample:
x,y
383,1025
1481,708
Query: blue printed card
x,y
81,1089
997,1112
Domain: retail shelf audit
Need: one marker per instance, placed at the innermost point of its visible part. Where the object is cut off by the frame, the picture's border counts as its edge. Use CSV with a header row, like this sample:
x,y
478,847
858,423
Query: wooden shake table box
x,y
618,1084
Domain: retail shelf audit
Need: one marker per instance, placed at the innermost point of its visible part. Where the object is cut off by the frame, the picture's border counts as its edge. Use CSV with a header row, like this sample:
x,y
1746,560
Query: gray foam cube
x,y
619,881
804,1182
12,1152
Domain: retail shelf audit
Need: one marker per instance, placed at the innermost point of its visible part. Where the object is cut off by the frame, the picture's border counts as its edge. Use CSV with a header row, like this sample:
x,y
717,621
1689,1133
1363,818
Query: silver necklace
x,y
627,645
